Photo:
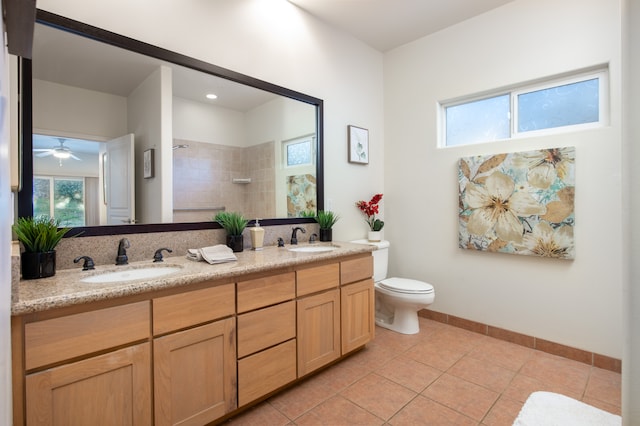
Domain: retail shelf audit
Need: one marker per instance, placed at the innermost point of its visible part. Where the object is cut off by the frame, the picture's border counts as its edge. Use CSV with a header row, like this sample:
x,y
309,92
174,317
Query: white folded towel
x,y
214,254
553,409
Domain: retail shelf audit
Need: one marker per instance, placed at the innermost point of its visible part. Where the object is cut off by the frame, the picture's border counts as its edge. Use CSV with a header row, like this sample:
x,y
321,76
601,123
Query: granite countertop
x,y
66,289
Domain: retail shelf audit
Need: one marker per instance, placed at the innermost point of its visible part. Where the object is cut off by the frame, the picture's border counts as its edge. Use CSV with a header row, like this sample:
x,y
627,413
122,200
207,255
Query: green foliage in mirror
x,y
232,222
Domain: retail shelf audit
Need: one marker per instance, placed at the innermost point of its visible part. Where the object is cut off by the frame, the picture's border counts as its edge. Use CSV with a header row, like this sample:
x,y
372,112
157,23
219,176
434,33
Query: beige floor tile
x,y
338,411
424,411
295,401
482,372
557,372
440,356
522,386
462,396
503,412
410,373
379,395
505,354
263,414
605,386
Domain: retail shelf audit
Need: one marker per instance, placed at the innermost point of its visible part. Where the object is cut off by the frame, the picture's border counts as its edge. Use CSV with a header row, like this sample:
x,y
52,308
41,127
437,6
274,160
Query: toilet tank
x,y
380,258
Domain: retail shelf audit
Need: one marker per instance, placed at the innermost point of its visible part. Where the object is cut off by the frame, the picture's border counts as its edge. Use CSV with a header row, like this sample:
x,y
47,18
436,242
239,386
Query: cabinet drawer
x,y
58,339
316,279
261,292
266,371
356,270
194,307
266,327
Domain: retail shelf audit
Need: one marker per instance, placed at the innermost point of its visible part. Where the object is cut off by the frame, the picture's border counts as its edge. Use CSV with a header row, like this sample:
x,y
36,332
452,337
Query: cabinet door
x,y
357,305
318,330
110,389
195,374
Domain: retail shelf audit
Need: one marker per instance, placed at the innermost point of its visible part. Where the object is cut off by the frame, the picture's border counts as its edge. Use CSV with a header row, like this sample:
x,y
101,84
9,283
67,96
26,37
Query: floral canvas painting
x,y
518,203
301,194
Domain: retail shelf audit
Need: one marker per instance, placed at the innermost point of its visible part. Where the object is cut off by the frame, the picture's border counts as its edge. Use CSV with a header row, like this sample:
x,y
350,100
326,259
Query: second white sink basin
x,y
312,249
131,274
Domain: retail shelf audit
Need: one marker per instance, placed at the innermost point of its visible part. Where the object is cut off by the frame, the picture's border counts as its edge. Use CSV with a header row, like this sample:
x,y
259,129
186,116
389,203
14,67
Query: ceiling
x,y
386,24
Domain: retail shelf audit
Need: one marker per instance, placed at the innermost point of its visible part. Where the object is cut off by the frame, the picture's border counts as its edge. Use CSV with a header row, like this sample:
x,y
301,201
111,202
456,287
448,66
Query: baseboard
x,y
590,358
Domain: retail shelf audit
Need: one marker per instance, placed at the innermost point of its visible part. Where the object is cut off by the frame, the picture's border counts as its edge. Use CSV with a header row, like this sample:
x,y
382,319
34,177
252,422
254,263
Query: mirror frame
x,y
25,195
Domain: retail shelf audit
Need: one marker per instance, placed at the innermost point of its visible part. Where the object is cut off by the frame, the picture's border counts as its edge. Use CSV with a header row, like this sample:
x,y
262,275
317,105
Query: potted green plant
x,y
39,237
234,223
326,219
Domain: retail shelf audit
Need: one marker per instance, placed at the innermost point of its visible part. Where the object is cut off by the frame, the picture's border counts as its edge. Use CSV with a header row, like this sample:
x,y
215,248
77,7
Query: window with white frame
x,y
575,102
61,198
299,151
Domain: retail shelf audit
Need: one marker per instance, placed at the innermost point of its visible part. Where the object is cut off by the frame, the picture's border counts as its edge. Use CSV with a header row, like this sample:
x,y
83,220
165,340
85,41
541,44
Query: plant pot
x,y
38,265
375,236
326,234
235,242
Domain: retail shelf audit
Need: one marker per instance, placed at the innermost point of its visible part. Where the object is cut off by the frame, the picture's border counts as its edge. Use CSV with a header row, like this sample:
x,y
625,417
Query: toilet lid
x,y
405,285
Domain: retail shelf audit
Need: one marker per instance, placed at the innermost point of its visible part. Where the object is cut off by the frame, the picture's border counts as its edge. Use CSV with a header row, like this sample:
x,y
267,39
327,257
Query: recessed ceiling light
x,y
211,96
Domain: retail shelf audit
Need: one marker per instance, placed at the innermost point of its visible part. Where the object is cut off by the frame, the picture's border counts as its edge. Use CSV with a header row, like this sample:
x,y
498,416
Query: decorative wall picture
x,y
147,166
301,195
358,145
518,203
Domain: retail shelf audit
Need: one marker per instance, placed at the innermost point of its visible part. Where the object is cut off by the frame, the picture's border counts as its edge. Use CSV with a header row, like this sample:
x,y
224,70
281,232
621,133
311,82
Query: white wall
x,y
197,121
149,119
6,219
277,42
576,303
72,111
631,165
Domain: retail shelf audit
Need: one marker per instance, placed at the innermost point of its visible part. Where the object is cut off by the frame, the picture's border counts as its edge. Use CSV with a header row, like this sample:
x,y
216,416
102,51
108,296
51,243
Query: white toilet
x,y
398,300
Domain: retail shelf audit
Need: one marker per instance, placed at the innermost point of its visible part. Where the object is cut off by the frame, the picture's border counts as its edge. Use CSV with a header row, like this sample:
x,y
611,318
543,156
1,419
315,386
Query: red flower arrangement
x,y
371,209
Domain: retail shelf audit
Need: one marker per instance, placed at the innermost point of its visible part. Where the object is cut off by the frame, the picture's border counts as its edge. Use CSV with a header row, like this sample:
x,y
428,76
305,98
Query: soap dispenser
x,y
257,236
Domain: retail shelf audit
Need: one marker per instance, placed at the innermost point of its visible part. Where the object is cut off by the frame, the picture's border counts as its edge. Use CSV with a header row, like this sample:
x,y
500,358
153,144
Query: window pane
x,y
41,197
69,202
478,121
299,153
565,105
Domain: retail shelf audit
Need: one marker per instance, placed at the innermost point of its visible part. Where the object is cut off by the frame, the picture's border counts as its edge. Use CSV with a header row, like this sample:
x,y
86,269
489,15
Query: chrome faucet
x,y
294,236
122,258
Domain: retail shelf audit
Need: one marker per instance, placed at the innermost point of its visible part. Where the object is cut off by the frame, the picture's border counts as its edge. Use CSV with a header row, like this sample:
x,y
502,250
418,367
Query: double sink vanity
x,y
184,342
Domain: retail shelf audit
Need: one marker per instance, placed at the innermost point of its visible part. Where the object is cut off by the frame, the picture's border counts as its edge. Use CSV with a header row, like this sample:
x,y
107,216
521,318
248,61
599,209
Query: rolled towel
x,y
214,254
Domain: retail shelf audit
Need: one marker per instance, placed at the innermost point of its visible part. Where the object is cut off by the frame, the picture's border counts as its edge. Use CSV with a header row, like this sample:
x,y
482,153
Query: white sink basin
x,y
131,274
312,249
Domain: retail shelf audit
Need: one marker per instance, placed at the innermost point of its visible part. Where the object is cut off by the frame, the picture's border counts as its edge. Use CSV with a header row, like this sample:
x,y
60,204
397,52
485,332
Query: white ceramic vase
x,y
375,236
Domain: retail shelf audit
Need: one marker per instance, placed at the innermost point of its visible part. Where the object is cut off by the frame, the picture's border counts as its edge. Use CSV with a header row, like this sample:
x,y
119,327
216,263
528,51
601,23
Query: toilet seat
x,y
406,286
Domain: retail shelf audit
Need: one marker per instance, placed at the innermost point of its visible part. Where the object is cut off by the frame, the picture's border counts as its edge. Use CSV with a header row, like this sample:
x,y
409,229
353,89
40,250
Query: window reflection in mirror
x,y
228,153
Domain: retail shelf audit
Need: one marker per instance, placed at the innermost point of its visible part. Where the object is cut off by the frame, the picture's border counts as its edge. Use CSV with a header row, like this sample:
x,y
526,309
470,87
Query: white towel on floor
x,y
553,409
213,254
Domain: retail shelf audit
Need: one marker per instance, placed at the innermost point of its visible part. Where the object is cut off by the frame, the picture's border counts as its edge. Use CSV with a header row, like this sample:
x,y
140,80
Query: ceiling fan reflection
x,y
61,152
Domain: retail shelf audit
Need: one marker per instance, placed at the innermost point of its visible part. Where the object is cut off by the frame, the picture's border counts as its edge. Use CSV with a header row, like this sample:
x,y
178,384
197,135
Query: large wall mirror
x,y
123,137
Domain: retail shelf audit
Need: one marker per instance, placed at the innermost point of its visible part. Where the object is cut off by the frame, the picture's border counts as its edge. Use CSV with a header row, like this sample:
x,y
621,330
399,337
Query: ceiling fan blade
x,y
74,157
41,149
45,154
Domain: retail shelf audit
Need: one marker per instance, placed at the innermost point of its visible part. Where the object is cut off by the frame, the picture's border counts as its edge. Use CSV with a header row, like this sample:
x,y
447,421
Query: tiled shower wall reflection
x,y
203,176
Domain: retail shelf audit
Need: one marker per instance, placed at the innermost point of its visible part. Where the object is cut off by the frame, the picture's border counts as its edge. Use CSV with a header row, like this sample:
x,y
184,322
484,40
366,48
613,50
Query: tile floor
x,y
442,376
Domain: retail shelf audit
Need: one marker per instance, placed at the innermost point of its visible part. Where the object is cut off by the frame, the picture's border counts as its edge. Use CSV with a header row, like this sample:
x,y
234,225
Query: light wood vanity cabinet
x,y
194,369
189,356
266,335
357,299
113,386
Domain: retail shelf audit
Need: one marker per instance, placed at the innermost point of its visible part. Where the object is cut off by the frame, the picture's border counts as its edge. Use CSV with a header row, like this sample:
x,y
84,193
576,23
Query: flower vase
x,y
375,236
38,265
326,234
235,243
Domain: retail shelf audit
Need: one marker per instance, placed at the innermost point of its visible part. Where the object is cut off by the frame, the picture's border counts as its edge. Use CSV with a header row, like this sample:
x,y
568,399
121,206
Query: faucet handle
x,y
88,262
312,238
280,242
157,257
